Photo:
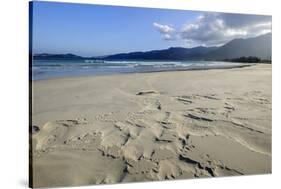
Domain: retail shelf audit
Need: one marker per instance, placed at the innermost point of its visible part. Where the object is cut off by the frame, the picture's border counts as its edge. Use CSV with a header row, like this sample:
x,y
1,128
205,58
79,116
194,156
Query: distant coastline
x,y
236,50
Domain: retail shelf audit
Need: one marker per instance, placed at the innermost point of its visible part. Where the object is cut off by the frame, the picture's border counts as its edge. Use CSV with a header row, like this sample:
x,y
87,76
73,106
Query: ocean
x,y
48,69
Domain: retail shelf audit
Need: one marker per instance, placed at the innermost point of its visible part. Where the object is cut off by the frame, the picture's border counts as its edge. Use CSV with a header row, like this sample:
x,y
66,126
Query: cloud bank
x,y
219,28
214,29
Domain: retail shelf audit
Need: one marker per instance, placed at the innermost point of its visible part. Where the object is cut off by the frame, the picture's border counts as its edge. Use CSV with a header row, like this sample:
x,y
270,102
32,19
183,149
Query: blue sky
x,y
95,30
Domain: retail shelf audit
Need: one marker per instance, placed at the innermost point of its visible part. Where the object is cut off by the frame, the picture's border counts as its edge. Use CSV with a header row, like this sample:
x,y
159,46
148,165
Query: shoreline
x,y
156,71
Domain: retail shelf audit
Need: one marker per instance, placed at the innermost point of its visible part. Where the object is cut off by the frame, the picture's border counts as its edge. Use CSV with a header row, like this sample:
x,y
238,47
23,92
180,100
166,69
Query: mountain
x,y
45,56
173,53
257,47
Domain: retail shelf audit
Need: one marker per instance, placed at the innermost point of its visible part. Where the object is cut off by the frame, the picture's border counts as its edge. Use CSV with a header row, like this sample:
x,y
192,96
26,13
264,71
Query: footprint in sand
x,y
151,102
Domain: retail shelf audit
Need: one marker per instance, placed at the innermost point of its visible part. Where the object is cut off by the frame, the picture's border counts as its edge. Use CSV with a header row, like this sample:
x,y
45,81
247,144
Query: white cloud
x,y
165,30
167,37
218,28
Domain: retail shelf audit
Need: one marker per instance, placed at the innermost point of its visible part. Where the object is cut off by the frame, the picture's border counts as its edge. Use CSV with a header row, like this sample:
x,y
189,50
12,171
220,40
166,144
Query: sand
x,y
151,126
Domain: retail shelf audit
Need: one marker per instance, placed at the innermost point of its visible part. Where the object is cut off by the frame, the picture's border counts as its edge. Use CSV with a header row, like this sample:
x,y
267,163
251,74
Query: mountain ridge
x,y
259,46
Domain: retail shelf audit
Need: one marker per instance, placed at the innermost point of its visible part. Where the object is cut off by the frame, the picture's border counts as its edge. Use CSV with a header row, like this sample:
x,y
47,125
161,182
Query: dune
x,y
151,126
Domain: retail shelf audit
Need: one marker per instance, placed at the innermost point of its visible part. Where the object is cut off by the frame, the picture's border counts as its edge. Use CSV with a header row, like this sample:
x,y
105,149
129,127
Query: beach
x,y
151,126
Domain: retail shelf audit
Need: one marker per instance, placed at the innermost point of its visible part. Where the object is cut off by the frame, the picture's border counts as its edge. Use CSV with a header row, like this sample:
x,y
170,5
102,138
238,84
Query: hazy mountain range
x,y
259,46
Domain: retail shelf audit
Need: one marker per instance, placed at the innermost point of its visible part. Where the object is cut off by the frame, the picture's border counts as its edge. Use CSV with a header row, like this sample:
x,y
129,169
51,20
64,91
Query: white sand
x,y
152,126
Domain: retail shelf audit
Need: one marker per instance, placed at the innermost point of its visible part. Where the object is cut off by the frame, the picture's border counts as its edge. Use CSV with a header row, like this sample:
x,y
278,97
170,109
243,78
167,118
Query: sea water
x,y
48,69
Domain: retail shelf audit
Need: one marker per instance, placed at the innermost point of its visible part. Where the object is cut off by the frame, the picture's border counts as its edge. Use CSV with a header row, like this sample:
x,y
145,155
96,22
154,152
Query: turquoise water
x,y
54,69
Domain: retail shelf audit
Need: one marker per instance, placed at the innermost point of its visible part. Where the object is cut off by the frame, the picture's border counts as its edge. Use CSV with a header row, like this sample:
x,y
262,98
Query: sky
x,y
96,30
